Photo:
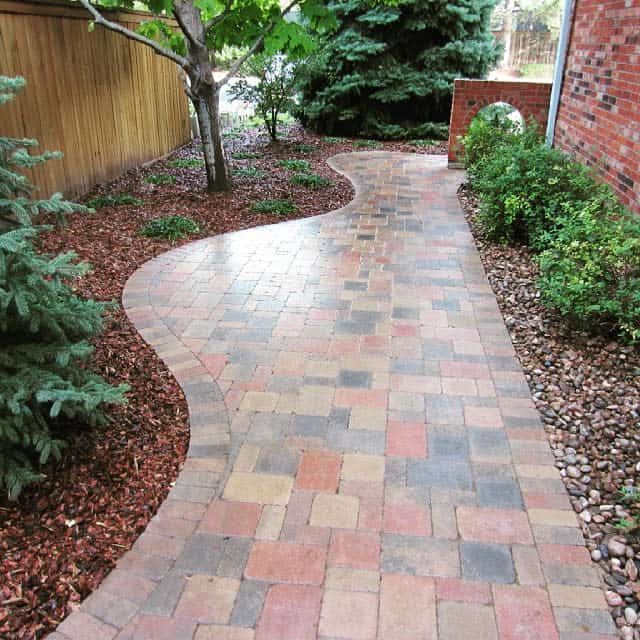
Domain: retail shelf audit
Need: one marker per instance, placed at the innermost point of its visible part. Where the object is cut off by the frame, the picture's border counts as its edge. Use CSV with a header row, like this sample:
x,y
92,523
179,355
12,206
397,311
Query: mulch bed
x,y
587,389
64,535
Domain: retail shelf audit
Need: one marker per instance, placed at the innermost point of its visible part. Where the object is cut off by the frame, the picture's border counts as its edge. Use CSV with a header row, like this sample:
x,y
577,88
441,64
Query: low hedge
x,y
588,245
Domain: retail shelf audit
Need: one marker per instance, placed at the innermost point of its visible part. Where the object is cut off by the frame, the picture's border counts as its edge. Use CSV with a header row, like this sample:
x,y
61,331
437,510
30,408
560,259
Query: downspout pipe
x,y
561,60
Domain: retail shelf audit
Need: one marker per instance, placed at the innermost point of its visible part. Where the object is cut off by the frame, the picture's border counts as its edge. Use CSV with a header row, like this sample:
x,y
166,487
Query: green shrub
x,y
160,179
485,136
244,155
421,143
590,272
46,329
303,148
170,227
367,144
523,186
295,165
249,172
187,163
311,180
114,200
274,207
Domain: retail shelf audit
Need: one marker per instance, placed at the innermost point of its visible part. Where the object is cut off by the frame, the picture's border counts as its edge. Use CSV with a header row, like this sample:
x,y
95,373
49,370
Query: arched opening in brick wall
x,y
531,99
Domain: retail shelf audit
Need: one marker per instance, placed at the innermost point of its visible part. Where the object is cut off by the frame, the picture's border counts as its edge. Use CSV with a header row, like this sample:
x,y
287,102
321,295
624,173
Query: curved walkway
x,y
366,462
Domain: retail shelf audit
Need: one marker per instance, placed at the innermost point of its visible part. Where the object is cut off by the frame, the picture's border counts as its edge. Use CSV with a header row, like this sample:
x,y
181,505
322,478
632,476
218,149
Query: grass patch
x,y
274,207
295,165
537,70
334,139
303,148
244,155
160,179
367,144
310,180
187,163
249,172
170,227
114,200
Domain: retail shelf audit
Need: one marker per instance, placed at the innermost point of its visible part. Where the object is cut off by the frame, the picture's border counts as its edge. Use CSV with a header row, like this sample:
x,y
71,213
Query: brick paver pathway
x,y
366,462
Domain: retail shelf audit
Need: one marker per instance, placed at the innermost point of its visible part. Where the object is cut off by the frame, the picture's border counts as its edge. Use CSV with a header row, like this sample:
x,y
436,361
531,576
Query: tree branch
x,y
235,67
99,19
219,18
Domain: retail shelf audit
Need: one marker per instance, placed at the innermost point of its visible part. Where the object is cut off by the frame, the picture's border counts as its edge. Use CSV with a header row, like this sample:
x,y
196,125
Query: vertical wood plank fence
x,y
107,103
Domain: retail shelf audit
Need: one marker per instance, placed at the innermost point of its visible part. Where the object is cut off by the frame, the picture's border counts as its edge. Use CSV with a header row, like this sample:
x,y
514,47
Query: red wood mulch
x,y
65,534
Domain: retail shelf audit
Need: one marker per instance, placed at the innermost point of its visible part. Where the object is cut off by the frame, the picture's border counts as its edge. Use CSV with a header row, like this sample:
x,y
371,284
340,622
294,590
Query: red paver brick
x,y
82,626
463,590
349,615
547,501
286,562
465,370
291,612
404,330
355,549
564,554
231,518
370,514
500,526
406,439
484,417
407,608
128,585
374,398
406,517
148,627
319,471
523,613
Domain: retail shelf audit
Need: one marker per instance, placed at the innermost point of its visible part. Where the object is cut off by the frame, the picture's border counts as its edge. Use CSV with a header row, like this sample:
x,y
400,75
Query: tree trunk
x,y
207,111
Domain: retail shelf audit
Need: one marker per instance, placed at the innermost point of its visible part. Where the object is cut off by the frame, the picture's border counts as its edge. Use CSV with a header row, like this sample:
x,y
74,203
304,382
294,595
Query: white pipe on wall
x,y
561,59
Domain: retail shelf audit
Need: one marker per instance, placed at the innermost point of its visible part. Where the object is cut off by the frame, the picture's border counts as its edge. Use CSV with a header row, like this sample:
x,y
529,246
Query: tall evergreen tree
x,y
45,327
388,71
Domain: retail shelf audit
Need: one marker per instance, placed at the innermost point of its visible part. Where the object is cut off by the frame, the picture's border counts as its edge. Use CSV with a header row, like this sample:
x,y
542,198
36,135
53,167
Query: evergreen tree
x,y
388,71
45,327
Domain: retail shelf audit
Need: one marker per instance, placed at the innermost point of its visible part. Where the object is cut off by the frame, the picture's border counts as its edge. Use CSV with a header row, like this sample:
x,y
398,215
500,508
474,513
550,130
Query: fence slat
x,y
108,103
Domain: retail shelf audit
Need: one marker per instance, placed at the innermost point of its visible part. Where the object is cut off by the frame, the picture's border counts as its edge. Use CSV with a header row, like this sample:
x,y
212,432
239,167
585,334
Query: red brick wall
x,y
599,115
531,99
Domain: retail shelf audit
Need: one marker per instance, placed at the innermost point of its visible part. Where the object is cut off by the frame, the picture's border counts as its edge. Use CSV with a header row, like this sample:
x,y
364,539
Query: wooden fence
x,y
530,47
108,103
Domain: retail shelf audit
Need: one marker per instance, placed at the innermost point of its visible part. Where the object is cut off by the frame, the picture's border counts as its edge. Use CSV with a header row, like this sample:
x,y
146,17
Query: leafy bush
x,y
170,227
249,172
295,165
311,180
523,185
114,200
187,163
334,139
367,144
487,132
160,179
590,272
303,148
45,328
274,207
244,155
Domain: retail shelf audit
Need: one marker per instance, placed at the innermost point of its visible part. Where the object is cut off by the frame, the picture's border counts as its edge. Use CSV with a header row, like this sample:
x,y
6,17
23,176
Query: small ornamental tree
x,y
205,30
388,70
269,85
45,327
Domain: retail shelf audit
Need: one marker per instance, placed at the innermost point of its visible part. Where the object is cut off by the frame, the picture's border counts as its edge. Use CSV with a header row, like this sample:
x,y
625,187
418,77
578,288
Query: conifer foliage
x,y
45,327
388,71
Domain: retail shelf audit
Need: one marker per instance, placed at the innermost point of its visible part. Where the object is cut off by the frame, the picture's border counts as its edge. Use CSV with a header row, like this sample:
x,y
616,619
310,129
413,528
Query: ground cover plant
x,y
170,227
160,179
295,165
187,163
310,180
110,482
273,206
570,304
113,200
